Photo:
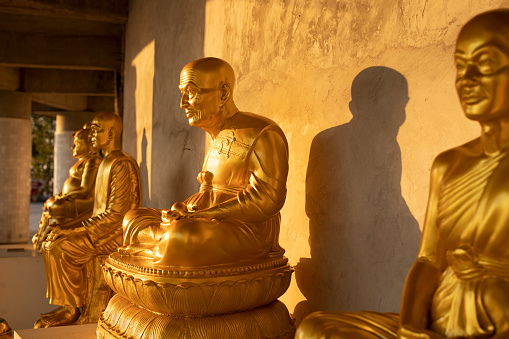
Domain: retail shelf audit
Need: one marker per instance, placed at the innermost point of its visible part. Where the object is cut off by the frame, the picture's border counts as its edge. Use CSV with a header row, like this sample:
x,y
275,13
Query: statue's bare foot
x,y
63,315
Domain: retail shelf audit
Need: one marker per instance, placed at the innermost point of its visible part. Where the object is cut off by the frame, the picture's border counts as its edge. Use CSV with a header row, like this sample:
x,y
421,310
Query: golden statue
x,y
209,261
5,329
76,201
459,285
67,250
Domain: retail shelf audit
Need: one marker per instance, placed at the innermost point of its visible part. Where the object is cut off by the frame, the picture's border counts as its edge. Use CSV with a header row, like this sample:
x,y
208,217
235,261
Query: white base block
x,y
22,286
67,332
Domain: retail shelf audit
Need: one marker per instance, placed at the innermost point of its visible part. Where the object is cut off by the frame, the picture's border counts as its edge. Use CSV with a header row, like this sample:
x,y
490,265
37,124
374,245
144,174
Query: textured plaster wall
x,y
360,151
161,37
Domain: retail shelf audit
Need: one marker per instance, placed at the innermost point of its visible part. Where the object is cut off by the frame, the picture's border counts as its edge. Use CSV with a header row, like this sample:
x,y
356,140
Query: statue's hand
x,y
35,239
59,232
204,214
168,216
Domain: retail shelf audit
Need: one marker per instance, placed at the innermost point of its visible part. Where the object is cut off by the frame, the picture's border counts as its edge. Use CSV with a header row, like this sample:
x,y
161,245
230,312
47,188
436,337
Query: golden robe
x,y
244,181
117,191
465,237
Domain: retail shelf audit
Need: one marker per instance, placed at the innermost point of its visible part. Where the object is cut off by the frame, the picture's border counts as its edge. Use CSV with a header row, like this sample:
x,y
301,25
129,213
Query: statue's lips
x,y
472,99
190,113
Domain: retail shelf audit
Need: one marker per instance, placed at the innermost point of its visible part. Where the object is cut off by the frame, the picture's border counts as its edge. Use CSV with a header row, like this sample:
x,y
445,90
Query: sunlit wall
x,y
360,151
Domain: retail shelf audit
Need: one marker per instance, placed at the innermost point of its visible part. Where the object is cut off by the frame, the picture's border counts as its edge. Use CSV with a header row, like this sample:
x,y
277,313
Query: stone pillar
x,y
15,160
63,159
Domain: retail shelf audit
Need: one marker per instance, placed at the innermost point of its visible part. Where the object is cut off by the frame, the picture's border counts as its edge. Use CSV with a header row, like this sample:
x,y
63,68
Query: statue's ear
x,y
112,132
225,93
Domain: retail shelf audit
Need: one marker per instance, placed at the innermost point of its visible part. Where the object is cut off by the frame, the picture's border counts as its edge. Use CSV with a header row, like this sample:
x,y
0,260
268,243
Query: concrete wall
x,y
364,91
156,132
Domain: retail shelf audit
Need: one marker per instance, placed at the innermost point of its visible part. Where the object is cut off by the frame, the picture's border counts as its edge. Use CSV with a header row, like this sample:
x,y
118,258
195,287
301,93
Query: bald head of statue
x,y
207,93
106,132
482,60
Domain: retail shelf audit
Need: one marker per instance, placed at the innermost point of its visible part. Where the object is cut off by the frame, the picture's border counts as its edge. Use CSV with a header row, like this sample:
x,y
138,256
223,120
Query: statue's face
x,y
200,97
482,80
100,138
80,147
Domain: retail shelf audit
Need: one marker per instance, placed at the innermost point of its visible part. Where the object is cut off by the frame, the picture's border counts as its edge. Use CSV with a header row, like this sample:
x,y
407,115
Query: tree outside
x,y
43,141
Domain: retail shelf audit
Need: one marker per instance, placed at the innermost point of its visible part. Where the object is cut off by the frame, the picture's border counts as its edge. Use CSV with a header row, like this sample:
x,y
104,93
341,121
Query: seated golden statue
x,y
67,250
459,284
76,201
217,253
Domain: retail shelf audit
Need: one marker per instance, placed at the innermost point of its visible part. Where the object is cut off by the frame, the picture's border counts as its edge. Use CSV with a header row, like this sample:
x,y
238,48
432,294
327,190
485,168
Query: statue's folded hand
x,y
168,216
204,214
59,232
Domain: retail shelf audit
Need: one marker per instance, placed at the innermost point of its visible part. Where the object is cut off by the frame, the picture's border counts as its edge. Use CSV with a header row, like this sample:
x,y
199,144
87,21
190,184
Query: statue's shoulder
x,y
445,159
251,123
118,156
94,160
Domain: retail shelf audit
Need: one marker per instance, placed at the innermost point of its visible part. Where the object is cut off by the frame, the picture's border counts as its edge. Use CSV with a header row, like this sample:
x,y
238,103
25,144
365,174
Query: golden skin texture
x,y
69,249
459,284
76,200
234,218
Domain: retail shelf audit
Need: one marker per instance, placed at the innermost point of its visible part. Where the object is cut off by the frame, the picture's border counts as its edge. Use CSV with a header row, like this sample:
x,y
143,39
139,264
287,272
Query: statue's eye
x,y
193,92
486,65
461,67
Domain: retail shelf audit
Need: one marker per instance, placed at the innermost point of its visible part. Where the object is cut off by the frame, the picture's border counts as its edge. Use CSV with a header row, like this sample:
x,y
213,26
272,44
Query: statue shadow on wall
x,y
362,236
144,170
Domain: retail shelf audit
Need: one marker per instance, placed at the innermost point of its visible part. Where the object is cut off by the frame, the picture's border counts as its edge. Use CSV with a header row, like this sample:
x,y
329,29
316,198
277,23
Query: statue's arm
x,y
422,280
265,194
88,180
120,201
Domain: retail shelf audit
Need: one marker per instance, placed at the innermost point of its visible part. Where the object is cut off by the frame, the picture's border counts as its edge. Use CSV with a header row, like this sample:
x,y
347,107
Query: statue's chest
x,y
228,159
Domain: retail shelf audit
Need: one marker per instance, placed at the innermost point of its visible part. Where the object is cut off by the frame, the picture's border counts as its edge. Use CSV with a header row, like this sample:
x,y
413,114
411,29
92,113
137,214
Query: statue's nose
x,y
184,101
472,72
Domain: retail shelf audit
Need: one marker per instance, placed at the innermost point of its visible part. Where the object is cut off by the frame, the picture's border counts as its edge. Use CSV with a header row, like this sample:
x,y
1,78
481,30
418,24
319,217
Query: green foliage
x,y
43,140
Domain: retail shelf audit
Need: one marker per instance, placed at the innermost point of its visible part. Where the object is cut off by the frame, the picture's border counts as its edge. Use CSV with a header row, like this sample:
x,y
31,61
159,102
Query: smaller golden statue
x,y
76,201
459,285
69,248
211,266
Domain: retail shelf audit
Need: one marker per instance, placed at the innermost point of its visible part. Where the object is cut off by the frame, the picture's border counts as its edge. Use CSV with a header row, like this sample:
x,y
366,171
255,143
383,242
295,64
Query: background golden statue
x,y
459,284
68,249
76,201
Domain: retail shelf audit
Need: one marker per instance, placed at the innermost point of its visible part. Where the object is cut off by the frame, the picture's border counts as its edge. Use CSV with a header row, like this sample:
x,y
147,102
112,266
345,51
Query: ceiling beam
x,y
62,101
58,51
96,10
9,78
53,114
101,104
75,82
78,103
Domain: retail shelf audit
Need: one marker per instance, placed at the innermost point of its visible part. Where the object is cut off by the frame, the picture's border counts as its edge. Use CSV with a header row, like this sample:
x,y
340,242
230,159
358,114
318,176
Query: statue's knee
x,y
132,214
187,233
